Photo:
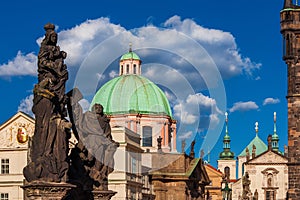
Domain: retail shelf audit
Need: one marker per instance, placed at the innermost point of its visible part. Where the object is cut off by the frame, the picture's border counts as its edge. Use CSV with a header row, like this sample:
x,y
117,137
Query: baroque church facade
x,y
262,165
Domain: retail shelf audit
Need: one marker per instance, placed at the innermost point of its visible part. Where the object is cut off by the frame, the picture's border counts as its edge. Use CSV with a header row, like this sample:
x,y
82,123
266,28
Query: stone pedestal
x,y
103,195
38,190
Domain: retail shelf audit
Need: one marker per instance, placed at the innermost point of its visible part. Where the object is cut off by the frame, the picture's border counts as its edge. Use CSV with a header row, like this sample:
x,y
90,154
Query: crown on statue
x,y
49,26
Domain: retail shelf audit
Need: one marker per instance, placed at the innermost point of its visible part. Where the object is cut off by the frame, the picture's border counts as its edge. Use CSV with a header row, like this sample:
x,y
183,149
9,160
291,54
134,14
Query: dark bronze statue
x,y
91,161
92,158
50,141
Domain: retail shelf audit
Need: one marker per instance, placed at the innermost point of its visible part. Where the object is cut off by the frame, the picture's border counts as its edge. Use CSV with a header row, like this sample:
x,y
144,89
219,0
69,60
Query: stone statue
x,y
192,152
50,141
92,158
159,140
183,146
246,187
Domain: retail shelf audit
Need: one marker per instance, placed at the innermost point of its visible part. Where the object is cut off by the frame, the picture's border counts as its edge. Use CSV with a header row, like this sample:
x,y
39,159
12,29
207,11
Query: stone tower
x,y
290,29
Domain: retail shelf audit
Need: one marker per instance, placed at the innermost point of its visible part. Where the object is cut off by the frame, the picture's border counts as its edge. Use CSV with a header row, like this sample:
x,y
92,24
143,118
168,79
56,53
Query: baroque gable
x,y
16,131
268,157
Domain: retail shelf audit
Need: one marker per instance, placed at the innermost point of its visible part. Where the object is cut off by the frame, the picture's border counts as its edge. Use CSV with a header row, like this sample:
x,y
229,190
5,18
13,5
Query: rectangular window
x,y
4,166
4,196
133,165
147,136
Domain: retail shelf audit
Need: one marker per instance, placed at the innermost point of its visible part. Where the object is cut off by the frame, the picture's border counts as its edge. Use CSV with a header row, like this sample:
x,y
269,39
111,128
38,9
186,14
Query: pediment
x,y
15,132
269,157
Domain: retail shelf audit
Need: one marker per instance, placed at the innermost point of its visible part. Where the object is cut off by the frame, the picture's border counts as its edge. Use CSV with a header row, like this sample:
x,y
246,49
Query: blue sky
x,y
241,37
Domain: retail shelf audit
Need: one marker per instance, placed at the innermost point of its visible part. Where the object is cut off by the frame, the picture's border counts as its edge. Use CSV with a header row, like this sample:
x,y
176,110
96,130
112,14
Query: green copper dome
x,y
132,94
259,144
226,155
226,137
275,137
130,55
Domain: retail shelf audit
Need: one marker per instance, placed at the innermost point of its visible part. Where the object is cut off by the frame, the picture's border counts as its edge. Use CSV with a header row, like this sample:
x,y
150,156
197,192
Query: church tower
x,y
227,163
290,30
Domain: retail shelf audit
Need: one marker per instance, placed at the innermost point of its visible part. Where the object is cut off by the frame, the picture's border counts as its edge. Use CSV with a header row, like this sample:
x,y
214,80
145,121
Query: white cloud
x,y
113,74
26,105
220,45
205,101
180,56
198,107
271,101
244,106
20,65
85,104
80,40
186,135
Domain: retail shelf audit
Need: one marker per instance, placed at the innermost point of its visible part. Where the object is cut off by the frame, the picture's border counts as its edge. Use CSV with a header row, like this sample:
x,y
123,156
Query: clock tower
x,y
290,30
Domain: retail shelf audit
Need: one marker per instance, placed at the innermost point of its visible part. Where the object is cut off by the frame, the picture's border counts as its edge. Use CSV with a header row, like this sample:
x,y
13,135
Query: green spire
x,y
226,154
275,137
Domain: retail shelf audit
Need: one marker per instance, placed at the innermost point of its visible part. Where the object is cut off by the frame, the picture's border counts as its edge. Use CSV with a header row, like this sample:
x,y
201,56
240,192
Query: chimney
x,y
285,151
253,151
247,154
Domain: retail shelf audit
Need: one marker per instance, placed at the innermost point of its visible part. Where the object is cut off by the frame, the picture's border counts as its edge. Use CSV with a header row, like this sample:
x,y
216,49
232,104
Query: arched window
x,y
121,70
227,172
147,136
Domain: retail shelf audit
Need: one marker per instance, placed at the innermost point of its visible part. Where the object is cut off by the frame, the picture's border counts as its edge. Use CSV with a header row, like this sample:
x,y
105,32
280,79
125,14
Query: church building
x,y
137,105
265,166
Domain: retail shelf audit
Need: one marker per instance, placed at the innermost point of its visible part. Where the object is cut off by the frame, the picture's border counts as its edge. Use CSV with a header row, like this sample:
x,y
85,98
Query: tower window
x,y
147,136
227,172
134,69
127,69
4,166
121,70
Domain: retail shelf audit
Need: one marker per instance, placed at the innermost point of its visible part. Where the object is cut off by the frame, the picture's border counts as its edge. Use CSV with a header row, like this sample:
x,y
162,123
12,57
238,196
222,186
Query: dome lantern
x,y
130,63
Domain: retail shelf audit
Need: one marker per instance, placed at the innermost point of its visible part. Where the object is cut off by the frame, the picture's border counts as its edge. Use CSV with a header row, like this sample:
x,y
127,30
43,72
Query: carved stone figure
x,y
159,140
246,187
50,141
92,158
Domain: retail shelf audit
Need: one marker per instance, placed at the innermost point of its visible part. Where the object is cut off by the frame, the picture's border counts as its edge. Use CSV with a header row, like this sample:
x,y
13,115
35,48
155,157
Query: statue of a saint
x,y
96,147
246,187
50,141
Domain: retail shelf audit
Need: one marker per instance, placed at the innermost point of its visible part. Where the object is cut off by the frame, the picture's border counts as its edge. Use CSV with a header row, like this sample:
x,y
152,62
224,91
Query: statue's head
x,y
51,35
97,108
